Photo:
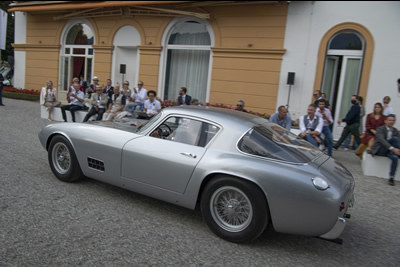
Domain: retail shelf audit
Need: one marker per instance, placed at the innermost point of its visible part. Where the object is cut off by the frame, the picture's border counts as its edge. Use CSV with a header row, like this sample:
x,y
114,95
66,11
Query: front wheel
x,y
63,161
234,209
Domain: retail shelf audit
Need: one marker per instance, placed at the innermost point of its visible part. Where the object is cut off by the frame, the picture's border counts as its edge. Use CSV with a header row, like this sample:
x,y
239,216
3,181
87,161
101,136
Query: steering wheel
x,y
161,132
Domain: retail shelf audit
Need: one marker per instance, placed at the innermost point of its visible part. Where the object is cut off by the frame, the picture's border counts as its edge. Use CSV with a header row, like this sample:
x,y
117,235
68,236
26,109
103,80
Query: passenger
x,y
387,143
311,126
116,106
240,106
138,98
282,118
152,106
195,102
183,98
99,102
326,116
75,99
50,97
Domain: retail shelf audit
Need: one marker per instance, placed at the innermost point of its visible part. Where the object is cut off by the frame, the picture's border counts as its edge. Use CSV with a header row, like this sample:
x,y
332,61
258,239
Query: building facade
x,y
220,51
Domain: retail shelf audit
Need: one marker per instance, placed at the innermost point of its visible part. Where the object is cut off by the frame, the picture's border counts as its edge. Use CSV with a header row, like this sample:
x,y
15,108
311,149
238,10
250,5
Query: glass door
x,y
348,86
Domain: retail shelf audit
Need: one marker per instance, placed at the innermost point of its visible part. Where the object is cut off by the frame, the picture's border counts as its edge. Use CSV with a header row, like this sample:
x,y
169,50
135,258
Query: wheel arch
x,y
210,176
56,134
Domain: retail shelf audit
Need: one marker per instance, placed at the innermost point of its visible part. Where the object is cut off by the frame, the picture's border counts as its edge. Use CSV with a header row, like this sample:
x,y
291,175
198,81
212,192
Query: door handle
x,y
189,155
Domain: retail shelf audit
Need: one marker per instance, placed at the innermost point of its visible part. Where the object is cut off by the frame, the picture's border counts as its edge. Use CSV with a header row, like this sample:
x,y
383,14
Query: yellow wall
x,y
246,57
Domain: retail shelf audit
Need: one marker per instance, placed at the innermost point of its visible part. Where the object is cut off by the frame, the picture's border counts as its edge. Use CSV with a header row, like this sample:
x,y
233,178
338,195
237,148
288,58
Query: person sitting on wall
x,y
311,126
152,106
99,102
138,98
75,99
116,106
282,118
49,99
387,143
326,116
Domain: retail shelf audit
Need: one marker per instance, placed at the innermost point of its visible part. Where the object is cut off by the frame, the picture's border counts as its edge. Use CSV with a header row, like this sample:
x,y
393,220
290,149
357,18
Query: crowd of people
x,y
110,102
379,138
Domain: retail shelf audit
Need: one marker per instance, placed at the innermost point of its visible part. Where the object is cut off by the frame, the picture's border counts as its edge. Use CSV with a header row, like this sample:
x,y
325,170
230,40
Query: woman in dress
x,y
50,97
374,120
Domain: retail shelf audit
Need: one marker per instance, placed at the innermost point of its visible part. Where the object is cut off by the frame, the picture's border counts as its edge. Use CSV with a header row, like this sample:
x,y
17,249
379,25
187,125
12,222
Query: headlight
x,y
320,183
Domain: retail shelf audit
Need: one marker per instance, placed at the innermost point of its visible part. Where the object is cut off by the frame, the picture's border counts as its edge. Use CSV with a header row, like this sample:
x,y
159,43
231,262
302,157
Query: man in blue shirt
x,y
282,118
352,121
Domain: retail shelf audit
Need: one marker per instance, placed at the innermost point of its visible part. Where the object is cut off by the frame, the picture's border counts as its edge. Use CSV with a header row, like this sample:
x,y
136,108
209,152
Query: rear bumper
x,y
336,230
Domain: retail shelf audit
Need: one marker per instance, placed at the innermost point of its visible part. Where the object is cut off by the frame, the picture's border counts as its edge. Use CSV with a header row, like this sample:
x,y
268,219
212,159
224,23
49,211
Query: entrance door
x,y
341,81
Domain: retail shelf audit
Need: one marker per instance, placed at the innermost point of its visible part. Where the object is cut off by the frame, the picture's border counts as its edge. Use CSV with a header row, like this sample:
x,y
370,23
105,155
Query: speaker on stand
x,y
290,82
122,70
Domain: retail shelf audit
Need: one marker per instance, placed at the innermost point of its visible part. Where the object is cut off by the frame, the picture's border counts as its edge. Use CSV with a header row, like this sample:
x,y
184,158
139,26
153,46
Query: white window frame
x,y
70,55
163,56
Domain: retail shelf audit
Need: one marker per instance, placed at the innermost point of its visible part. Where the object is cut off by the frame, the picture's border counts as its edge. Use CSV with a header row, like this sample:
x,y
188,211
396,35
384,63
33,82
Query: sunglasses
x,y
239,105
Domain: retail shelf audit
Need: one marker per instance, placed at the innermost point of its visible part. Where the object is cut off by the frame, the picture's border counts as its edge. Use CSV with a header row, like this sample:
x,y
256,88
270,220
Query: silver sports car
x,y
243,171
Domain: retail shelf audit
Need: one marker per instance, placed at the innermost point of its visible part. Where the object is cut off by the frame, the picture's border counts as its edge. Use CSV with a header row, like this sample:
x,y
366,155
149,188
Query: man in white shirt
x,y
386,108
311,126
138,98
152,106
75,98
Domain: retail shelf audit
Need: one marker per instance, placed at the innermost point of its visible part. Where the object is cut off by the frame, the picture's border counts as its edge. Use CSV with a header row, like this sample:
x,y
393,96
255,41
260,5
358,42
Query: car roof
x,y
223,116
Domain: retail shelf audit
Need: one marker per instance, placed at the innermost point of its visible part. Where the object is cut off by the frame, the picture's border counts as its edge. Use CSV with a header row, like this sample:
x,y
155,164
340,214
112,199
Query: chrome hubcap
x,y
61,158
231,209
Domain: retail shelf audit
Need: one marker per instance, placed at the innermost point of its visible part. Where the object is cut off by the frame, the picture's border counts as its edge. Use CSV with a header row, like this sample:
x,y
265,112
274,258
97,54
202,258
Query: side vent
x,y
96,164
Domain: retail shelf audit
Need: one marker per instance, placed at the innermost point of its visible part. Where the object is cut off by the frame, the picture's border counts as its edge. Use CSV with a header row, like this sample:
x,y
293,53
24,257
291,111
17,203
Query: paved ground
x,y
45,222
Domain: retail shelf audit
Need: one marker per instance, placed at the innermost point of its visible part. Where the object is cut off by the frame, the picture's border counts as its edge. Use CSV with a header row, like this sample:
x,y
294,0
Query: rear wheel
x,y
62,160
234,209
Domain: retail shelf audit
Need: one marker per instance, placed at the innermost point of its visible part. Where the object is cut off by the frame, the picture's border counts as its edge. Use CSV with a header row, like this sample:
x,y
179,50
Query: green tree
x,y
4,5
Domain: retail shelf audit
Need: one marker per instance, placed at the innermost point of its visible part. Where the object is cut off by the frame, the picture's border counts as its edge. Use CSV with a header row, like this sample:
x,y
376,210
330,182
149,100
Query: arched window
x,y
77,52
187,59
342,72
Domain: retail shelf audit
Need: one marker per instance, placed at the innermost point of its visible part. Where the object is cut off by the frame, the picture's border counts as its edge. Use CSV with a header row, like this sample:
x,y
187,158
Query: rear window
x,y
274,142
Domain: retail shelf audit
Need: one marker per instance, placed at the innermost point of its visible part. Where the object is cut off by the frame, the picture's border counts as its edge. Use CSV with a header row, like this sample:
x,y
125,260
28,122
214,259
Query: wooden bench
x,y
377,166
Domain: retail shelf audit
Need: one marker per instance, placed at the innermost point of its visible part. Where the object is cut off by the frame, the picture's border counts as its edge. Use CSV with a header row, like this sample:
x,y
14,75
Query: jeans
x,y
395,142
329,138
310,139
134,105
353,129
347,142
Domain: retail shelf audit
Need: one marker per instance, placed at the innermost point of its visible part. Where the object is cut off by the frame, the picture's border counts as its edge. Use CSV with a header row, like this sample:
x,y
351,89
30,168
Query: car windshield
x,y
142,128
272,141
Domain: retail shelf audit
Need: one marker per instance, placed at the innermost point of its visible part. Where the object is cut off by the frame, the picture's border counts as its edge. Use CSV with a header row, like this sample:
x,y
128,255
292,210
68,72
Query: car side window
x,y
186,130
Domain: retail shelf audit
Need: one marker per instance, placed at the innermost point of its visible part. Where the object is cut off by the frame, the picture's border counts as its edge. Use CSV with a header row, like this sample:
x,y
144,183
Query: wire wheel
x,y
231,209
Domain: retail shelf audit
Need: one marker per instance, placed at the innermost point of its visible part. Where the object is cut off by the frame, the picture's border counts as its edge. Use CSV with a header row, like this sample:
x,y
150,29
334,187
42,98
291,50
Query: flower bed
x,y
25,94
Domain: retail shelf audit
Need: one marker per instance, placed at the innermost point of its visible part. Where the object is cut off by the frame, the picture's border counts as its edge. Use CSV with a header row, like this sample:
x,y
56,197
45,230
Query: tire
x,y
234,209
63,161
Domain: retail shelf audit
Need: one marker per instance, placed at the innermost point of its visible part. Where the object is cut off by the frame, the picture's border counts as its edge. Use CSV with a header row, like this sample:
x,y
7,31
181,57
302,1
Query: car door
x,y
166,162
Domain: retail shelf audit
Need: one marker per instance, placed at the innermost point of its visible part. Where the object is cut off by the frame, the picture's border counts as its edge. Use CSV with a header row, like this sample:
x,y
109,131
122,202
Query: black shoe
x,y
391,181
2,105
334,148
369,151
